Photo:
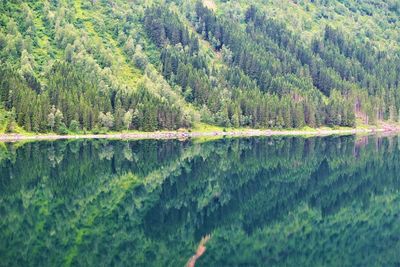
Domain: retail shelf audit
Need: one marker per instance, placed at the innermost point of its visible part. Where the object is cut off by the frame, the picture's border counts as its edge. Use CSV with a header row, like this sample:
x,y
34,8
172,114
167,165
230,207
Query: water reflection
x,y
265,201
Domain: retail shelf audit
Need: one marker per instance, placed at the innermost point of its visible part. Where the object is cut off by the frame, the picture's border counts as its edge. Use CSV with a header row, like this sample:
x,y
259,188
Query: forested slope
x,y
148,65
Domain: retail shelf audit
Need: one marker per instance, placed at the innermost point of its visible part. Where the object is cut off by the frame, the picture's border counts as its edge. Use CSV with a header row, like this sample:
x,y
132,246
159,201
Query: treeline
x,y
255,88
78,83
72,101
133,66
280,62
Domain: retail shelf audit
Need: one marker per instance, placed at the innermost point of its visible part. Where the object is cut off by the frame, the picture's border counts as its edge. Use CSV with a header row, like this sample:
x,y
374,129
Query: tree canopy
x,y
150,65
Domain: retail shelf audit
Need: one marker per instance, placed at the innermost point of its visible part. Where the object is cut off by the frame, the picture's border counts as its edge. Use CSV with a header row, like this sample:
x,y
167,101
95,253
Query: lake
x,y
268,201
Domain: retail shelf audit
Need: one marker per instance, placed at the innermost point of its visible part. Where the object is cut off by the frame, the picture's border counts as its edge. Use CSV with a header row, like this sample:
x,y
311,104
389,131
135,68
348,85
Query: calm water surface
x,y
277,201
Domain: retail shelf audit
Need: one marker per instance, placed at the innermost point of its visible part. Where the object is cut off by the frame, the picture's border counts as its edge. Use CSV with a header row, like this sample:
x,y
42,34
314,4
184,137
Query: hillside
x,y
70,66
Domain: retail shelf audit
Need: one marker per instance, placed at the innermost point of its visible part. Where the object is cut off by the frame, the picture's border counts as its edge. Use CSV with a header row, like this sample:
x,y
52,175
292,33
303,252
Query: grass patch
x,y
202,127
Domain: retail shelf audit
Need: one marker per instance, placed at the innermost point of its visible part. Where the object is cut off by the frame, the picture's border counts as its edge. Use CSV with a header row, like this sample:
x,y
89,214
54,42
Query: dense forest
x,y
77,66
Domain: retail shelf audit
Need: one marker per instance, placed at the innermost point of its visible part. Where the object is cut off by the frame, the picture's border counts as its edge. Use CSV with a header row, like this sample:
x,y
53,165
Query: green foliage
x,y
233,65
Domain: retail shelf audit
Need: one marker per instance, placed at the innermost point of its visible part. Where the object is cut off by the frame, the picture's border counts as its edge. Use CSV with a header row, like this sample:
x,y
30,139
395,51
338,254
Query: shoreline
x,y
187,134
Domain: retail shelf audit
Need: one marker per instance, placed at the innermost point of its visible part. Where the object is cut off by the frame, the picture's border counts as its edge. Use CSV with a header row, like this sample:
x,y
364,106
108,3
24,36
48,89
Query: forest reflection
x,y
278,200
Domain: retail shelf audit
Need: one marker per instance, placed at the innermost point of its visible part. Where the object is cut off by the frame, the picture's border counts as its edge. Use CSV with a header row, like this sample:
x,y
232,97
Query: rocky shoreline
x,y
187,134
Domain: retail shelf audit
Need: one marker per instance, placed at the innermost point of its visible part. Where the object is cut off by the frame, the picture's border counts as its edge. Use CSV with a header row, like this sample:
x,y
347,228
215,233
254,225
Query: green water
x,y
331,201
